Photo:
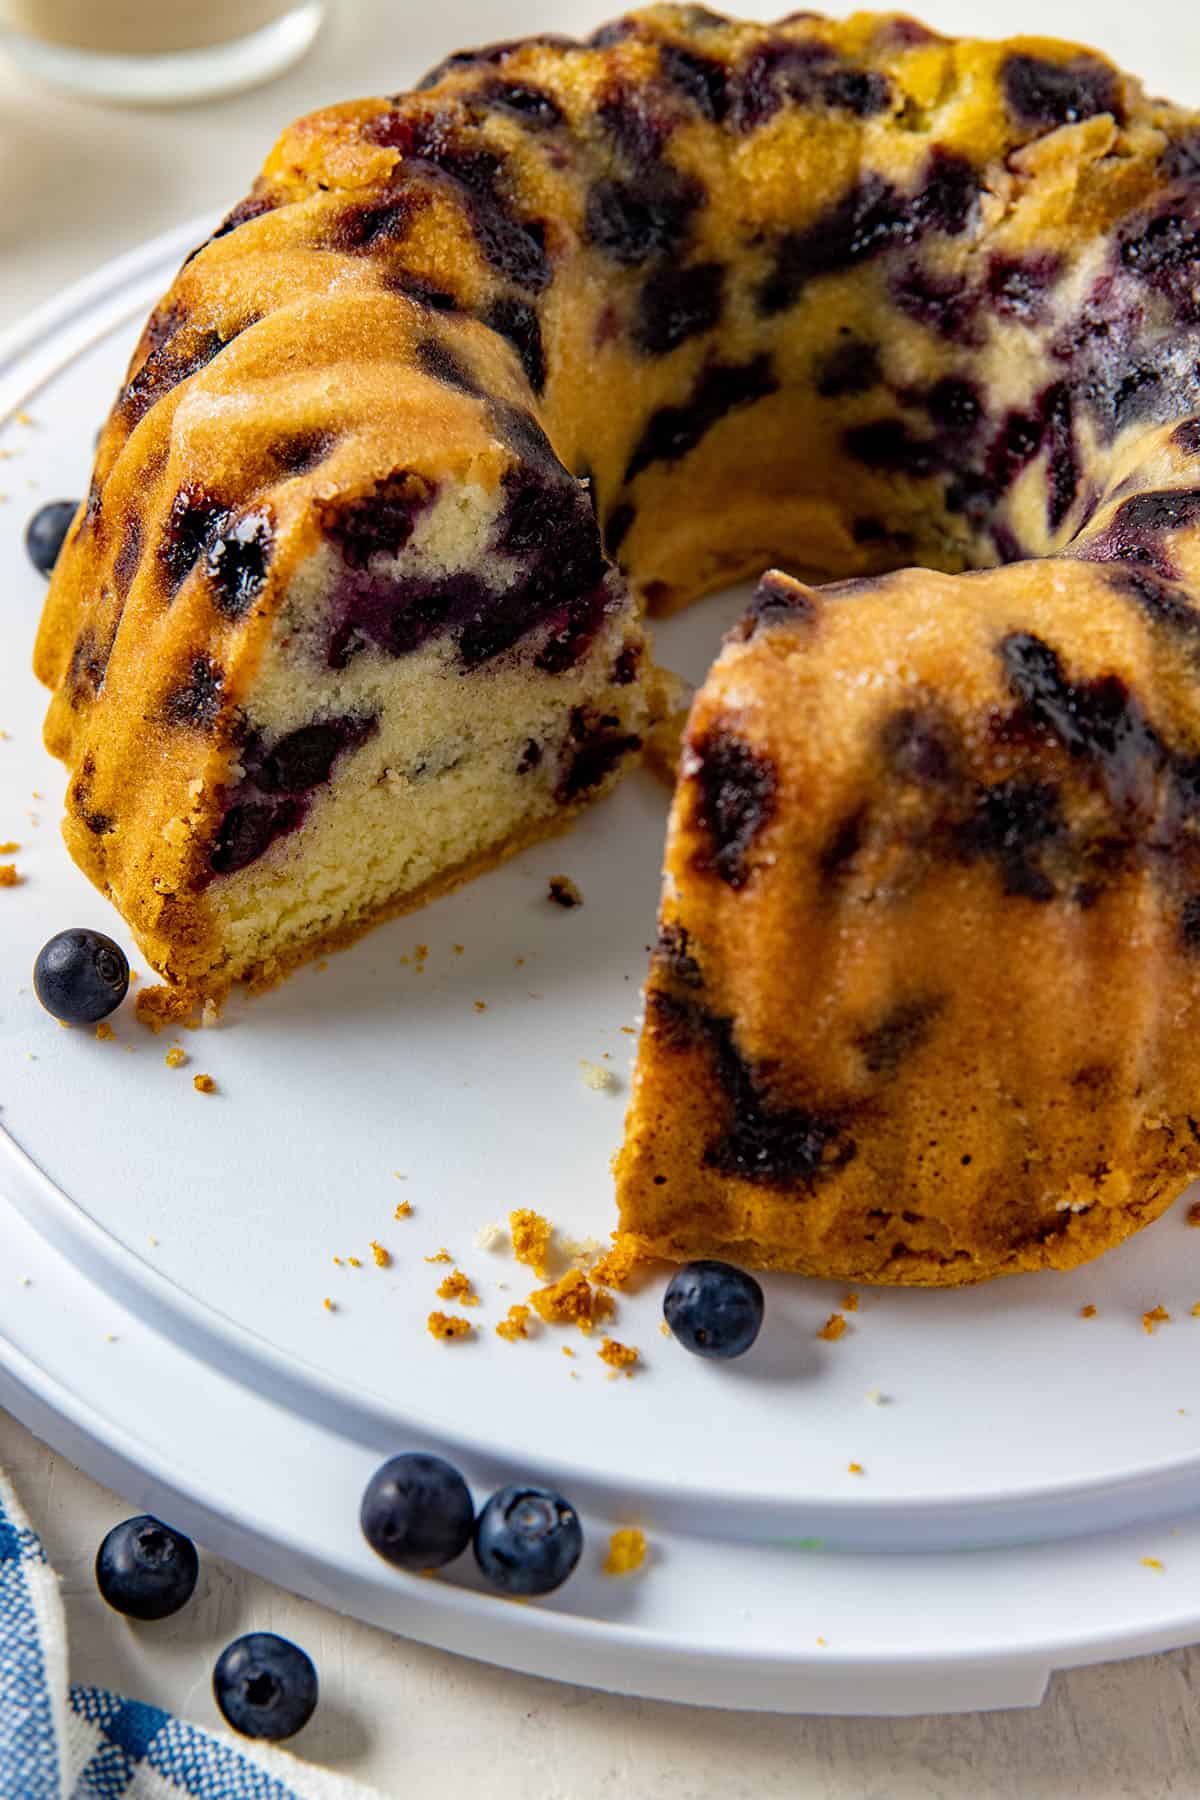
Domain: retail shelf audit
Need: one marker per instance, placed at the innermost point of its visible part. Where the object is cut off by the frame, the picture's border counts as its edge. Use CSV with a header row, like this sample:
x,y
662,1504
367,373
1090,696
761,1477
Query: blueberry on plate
x,y
145,1570
417,1512
81,976
265,1686
713,1308
46,531
527,1540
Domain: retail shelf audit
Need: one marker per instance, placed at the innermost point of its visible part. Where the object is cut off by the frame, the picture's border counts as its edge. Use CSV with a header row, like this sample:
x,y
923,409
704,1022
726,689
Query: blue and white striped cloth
x,y
59,1742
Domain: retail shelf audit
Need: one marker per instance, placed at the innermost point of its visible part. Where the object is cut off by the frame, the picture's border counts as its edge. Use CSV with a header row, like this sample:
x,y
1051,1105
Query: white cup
x,y
154,52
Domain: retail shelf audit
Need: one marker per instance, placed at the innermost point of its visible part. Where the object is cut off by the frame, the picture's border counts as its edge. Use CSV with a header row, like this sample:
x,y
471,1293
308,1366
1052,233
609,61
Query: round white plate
x,y
165,1258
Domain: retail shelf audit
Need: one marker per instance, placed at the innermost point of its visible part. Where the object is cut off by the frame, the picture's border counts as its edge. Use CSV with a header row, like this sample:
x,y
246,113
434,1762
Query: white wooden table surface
x,y
79,184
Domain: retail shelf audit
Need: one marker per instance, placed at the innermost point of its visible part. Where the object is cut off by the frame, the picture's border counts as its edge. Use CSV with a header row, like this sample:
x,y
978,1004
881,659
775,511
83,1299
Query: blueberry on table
x,y
46,531
145,1570
417,1512
527,1540
81,976
265,1686
713,1308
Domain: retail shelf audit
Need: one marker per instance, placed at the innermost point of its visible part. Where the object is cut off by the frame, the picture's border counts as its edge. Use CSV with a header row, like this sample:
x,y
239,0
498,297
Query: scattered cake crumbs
x,y
621,1358
403,1209
479,1005
491,1237
339,1262
9,848
875,1396
629,1030
327,1303
850,1303
442,1256
159,1006
457,1285
564,892
1088,1311
1158,1315
855,1468
1193,1213
383,1258
572,1301
567,1350
105,1032
9,876
531,1236
447,1326
514,1325
595,1075
664,1328
355,1262
833,1328
1152,1562
204,1084
617,1265
176,1057
626,1551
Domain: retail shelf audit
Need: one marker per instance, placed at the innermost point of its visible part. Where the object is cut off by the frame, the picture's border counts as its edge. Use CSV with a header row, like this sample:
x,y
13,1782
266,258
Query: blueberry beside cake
x,y
354,606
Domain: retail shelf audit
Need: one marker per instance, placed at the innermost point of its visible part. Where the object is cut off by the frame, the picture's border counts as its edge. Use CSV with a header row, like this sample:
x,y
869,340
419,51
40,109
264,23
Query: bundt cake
x,y
347,613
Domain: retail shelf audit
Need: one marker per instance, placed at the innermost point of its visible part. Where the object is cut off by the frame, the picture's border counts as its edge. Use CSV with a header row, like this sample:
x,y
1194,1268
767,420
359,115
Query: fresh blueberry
x,y
527,1540
46,531
81,976
714,1309
417,1512
145,1570
265,1686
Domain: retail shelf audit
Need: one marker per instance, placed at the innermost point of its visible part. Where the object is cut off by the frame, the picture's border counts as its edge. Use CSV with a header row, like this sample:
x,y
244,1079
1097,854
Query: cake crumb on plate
x,y
9,876
1152,1562
833,1328
531,1235
621,1358
491,1237
855,1468
457,1285
563,891
403,1209
514,1325
1088,1311
383,1258
1158,1315
176,1057
441,1256
105,1032
572,1301
447,1327
626,1551
595,1075
204,1084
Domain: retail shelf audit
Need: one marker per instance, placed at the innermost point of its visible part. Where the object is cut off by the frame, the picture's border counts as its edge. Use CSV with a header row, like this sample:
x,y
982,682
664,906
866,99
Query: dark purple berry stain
x,y
893,447
1164,253
238,561
440,363
302,451
945,304
721,388
1163,604
954,405
517,322
701,79
851,367
618,525
1013,824
674,958
595,745
531,105
735,788
1017,287
776,74
271,799
637,127
918,749
625,668
88,666
517,427
197,701
1136,529
763,1141
379,522
254,206
128,557
192,526
871,218
676,304
887,1046
419,289
488,55
633,221
1186,437
188,350
1049,94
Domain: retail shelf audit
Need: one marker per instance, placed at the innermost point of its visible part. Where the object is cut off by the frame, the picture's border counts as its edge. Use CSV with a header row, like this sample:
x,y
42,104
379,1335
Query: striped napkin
x,y
59,1742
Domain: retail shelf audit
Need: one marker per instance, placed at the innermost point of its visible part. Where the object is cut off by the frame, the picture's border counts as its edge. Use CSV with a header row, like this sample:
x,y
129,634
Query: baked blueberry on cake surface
x,y
351,609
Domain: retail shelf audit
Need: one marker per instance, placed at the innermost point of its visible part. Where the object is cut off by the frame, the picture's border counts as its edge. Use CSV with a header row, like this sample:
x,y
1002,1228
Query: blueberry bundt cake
x,y
347,612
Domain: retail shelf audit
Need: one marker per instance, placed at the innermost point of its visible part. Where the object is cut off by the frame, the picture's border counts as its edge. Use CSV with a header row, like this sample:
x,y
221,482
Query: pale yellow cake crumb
x,y
1088,1311
595,1075
355,1262
623,1358
531,1235
514,1325
626,1551
105,1032
1158,1315
457,1285
875,1396
491,1237
447,1326
441,1256
403,1209
572,1301
204,1084
382,1257
850,1303
1152,1562
833,1328
175,1057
